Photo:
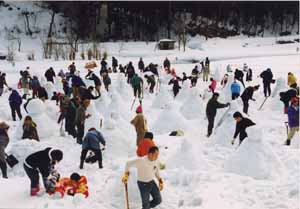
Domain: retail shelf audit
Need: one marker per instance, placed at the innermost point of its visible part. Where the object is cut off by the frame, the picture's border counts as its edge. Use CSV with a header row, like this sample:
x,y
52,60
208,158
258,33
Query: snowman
x,y
193,106
163,98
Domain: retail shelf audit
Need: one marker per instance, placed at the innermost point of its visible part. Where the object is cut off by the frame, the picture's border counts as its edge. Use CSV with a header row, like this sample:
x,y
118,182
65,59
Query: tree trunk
x,y
51,25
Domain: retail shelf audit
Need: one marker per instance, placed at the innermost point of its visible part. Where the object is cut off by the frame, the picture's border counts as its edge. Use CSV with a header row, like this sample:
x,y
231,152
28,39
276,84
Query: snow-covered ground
x,y
200,172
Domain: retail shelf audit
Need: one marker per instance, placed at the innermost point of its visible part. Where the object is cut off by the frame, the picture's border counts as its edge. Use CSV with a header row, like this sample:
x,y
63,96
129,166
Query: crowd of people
x,y
76,98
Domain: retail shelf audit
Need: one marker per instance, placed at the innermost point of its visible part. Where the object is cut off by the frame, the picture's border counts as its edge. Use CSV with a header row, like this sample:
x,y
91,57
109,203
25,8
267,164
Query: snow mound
x,y
255,158
50,88
280,86
36,106
193,106
163,98
184,91
169,120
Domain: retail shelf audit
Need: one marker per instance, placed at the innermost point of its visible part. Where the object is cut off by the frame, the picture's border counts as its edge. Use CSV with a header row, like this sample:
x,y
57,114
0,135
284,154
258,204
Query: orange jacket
x,y
72,187
144,147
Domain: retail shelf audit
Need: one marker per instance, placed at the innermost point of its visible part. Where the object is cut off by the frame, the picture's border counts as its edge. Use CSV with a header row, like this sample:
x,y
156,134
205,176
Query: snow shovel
x,y
126,196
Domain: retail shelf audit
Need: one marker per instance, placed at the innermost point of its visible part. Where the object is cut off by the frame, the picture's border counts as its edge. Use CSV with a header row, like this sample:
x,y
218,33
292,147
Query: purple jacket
x,y
293,116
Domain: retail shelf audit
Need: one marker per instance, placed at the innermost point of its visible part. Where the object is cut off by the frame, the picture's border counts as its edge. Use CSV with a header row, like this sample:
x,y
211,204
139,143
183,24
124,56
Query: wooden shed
x,y
166,44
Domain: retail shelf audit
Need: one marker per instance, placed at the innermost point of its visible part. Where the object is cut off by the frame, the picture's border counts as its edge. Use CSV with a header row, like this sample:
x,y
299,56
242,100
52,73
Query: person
x,y
76,83
91,142
224,80
267,77
291,79
103,65
140,124
213,85
145,144
64,102
80,118
147,169
151,82
75,184
248,95
249,75
71,116
15,101
87,93
97,82
241,125
121,69
239,75
235,90
141,65
194,76
72,68
42,93
167,64
205,69
61,74
293,119
286,96
2,83
176,86
4,140
66,87
42,162
29,129
129,72
24,83
114,64
211,111
137,85
184,77
106,81
50,74
34,84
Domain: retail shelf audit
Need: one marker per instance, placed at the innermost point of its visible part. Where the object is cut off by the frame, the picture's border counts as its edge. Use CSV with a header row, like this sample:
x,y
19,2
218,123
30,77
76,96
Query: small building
x,y
166,44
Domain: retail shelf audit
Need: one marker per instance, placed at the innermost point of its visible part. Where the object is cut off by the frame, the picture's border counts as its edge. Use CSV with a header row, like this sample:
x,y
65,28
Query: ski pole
x,y
126,196
133,103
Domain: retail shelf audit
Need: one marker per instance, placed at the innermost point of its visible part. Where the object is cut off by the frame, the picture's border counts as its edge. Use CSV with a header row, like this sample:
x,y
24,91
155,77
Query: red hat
x,y
139,109
294,100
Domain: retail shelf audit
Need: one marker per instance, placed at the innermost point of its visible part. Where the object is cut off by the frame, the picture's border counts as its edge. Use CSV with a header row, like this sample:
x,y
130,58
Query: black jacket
x,y
167,63
241,127
212,106
267,76
114,62
94,78
238,74
86,94
247,94
41,161
50,73
141,65
42,92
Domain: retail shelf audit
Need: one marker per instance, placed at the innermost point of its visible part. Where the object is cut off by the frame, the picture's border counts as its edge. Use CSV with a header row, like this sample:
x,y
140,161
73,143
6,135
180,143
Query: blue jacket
x,y
235,88
293,116
92,140
15,98
77,81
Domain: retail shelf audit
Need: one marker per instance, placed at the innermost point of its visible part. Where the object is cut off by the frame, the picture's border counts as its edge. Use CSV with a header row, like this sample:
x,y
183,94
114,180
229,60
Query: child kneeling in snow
x,y
73,185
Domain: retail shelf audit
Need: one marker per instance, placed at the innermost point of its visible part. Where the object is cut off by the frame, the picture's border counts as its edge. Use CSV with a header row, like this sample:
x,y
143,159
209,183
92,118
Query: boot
x,y
3,168
288,142
81,164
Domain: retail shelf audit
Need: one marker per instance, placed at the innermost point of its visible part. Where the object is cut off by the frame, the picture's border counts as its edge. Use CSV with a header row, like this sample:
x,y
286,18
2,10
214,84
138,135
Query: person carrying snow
x,y
241,125
137,85
211,111
91,142
213,85
239,75
267,77
80,118
248,95
29,129
2,83
43,162
76,184
4,140
151,82
291,79
293,119
140,124
147,169
50,74
15,101
235,90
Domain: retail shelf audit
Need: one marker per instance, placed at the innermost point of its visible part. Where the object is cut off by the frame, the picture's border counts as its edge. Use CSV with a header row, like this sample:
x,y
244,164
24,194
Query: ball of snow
x,y
36,106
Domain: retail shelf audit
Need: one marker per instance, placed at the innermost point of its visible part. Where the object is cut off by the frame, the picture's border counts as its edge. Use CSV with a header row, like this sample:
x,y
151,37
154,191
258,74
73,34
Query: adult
x,y
267,77
249,75
114,64
50,74
42,162
137,85
97,82
292,80
176,86
130,72
194,76
286,96
239,75
141,65
206,69
167,64
248,95
15,101
147,169
293,119
2,83
151,82
4,140
81,116
211,111
91,142
241,125
140,124
145,144
34,84
71,116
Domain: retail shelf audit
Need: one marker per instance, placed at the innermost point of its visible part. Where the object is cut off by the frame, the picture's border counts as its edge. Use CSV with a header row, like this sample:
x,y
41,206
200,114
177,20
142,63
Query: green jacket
x,y
80,115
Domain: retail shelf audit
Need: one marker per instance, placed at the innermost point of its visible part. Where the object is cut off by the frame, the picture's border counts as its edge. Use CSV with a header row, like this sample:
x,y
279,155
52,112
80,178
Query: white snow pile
x,y
184,91
163,98
193,106
280,86
255,158
169,120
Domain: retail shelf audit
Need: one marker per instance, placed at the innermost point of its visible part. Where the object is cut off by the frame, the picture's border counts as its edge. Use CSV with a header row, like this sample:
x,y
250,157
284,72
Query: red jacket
x,y
213,85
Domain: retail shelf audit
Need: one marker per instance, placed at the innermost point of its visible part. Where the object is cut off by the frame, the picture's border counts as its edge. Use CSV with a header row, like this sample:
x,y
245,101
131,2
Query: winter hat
x,y
139,109
216,94
75,176
294,100
56,154
3,125
237,115
148,135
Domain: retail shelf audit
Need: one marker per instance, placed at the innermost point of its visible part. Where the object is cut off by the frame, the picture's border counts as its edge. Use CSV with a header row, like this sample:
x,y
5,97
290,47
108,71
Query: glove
x,y
125,177
232,141
228,104
161,184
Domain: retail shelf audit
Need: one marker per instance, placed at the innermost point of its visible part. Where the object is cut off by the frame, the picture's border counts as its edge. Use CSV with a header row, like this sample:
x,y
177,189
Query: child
x,y
73,185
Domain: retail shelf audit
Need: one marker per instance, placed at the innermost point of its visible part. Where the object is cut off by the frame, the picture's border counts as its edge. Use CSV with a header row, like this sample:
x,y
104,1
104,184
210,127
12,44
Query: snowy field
x,y
201,173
